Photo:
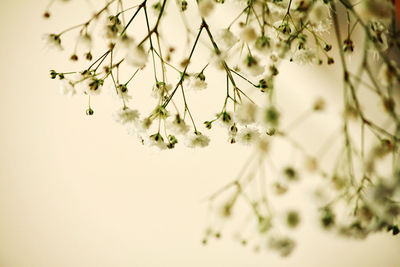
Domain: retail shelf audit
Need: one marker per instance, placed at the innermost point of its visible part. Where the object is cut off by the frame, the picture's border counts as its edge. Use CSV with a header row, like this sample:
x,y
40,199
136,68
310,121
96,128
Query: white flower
x,y
246,113
179,126
197,139
268,117
155,140
205,7
86,41
139,129
112,27
248,135
225,119
226,39
304,56
67,88
121,92
263,44
197,82
89,85
126,115
53,41
252,65
218,59
137,57
248,34
262,144
283,245
319,17
160,89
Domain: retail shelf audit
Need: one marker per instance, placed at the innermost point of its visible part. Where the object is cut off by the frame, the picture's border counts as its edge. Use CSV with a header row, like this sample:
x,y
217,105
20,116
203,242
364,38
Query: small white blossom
x,y
252,66
248,135
304,56
248,34
112,27
53,41
67,88
137,57
179,126
206,7
160,89
262,144
89,85
85,40
226,39
218,59
263,44
246,113
197,140
139,129
126,115
197,82
121,92
155,140
283,245
319,17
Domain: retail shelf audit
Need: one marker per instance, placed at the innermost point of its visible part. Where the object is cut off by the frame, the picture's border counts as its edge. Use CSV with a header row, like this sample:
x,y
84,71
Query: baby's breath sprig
x,y
358,165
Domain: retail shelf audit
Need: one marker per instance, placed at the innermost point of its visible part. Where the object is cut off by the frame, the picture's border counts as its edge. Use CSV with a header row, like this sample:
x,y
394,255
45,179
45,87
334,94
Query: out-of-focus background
x,y
78,191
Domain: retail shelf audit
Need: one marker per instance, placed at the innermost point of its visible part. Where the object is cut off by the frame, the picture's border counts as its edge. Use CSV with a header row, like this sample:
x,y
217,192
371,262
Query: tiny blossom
x,y
126,115
248,34
197,82
139,128
161,89
218,59
155,140
206,7
136,57
121,92
248,135
179,126
232,130
319,17
89,84
262,144
269,117
263,44
283,245
251,65
53,41
197,140
226,39
225,118
112,27
246,113
86,41
67,88
304,56
284,30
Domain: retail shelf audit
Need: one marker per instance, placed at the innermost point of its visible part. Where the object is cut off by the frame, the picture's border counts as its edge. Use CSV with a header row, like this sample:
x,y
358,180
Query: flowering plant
x,y
359,188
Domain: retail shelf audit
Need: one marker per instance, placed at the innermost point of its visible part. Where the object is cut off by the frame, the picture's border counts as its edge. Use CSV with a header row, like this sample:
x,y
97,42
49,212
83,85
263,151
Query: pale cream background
x,y
78,191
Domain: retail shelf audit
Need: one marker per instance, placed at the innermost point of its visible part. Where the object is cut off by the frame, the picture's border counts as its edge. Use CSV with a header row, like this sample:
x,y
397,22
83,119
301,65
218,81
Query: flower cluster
x,y
248,53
